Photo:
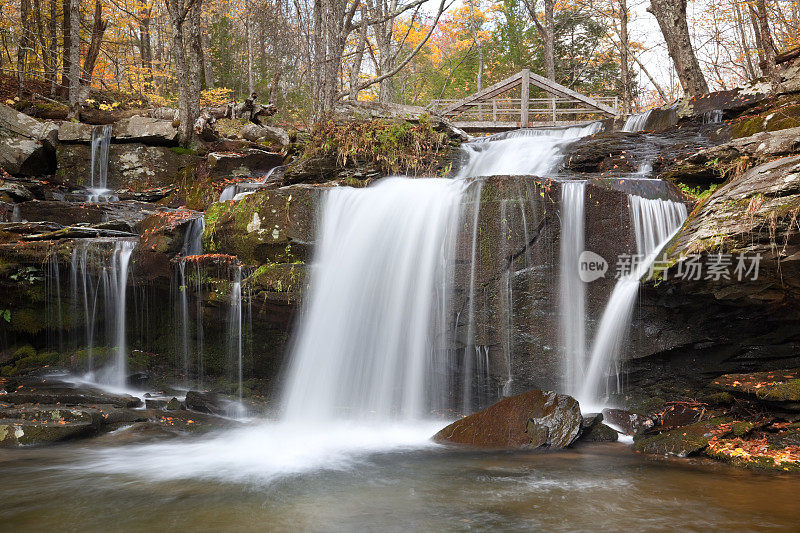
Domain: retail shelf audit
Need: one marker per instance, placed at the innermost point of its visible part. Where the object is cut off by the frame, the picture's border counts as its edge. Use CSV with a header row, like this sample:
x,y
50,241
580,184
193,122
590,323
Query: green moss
x,y
741,428
781,392
720,398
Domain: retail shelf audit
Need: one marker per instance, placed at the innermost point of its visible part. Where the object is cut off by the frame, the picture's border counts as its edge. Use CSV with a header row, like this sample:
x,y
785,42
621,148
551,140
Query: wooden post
x,y
526,87
494,110
553,101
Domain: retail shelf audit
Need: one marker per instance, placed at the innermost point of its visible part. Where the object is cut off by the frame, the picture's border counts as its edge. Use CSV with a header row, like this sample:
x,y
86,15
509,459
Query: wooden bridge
x,y
486,111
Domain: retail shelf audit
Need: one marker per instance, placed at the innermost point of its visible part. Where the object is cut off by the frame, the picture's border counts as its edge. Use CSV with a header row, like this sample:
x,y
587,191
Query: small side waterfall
x,y
117,373
572,290
193,239
101,141
365,347
655,222
98,287
637,121
235,327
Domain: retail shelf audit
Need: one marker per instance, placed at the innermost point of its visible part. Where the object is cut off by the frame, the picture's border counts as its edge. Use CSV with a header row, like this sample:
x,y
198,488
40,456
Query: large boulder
x,y
145,130
529,420
254,132
75,132
252,162
754,213
13,122
26,145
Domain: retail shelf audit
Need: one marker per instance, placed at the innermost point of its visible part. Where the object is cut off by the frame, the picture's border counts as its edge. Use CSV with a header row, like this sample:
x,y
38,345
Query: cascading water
x,y
371,343
365,348
193,239
535,152
655,222
637,122
101,141
235,328
572,290
117,372
237,191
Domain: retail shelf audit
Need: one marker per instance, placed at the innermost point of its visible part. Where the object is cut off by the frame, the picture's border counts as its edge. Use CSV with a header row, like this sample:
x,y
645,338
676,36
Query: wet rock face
x,y
619,153
134,166
252,162
272,226
754,213
529,420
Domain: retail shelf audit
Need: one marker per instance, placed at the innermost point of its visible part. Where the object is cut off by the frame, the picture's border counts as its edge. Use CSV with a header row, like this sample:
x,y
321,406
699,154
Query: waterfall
x,y
117,372
183,313
572,291
193,238
101,141
235,327
637,121
655,222
375,337
237,191
365,348
534,152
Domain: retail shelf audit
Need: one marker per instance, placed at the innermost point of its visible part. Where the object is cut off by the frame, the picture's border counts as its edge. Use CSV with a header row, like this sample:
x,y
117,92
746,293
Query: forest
x,y
305,56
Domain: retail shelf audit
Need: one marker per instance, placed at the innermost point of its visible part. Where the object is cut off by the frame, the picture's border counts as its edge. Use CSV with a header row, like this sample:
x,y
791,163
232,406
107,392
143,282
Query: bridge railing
x,y
540,110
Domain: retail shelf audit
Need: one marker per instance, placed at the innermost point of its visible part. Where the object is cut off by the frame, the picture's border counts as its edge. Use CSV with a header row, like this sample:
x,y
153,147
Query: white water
x,y
193,238
534,152
98,185
637,121
109,286
364,347
117,373
655,222
572,290
237,191
235,327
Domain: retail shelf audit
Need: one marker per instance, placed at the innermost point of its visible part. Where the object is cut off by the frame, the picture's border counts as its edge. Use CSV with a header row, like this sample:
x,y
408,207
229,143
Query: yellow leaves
x,y
215,96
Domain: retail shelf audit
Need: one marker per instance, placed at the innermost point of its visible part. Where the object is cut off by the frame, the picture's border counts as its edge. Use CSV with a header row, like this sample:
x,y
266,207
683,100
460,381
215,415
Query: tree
x,y
74,54
671,17
546,31
185,20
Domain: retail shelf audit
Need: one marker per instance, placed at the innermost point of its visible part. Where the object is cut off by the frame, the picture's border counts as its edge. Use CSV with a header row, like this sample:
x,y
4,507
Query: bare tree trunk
x,y
355,70
24,44
208,72
739,20
624,65
52,52
73,94
178,12
251,88
768,66
671,17
549,39
66,45
98,29
145,45
195,60
546,32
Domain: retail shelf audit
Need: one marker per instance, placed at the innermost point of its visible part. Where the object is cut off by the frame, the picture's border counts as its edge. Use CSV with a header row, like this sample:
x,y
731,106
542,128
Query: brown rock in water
x,y
528,420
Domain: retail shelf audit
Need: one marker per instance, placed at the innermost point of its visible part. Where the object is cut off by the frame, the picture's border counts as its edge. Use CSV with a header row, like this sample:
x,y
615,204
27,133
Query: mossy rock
x,y
272,226
683,441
